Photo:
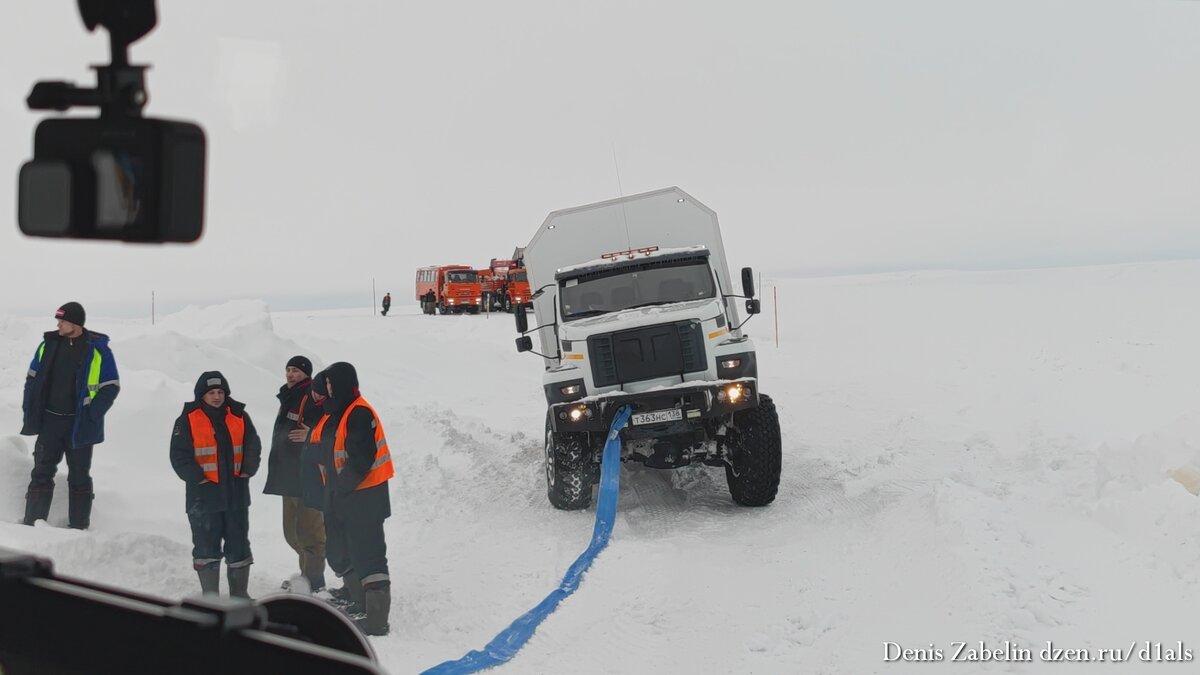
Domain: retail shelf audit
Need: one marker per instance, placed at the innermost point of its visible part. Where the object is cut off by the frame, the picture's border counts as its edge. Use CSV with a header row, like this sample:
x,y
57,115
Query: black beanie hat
x,y
73,312
318,384
302,363
212,379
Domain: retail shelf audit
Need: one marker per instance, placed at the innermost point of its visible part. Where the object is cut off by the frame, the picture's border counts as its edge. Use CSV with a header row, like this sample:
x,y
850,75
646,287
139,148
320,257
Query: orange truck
x,y
448,289
505,285
517,293
490,284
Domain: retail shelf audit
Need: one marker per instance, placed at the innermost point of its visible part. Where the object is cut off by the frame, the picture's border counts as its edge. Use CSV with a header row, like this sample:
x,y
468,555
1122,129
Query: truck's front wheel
x,y
755,455
569,474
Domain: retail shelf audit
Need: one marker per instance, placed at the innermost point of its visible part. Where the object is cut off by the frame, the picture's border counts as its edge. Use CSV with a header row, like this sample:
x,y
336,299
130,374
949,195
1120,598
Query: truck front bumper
x,y
661,412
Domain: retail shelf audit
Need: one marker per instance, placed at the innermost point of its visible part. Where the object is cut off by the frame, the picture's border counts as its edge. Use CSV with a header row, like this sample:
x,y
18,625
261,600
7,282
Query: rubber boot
x,y
37,504
313,568
239,581
79,509
379,604
352,584
210,578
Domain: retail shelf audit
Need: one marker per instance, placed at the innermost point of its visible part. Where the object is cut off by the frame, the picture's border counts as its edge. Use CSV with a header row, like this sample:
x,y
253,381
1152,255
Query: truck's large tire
x,y
755,455
569,472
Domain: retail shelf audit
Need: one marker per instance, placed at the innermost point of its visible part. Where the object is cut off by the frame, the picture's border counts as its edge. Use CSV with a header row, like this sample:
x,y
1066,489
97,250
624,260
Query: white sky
x,y
359,140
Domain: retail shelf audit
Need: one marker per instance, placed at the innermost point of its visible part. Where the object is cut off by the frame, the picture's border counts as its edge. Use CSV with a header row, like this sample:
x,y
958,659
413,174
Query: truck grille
x,y
647,353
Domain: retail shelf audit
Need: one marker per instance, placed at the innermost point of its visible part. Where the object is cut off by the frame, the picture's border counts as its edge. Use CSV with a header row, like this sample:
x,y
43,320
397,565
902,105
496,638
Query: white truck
x,y
632,305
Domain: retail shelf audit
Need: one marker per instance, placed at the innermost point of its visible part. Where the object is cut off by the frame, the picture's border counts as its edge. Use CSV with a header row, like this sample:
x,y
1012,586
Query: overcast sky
x,y
359,140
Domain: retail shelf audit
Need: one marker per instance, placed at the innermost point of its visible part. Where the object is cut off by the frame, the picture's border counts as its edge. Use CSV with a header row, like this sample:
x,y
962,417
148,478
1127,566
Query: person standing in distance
x,y
71,385
387,303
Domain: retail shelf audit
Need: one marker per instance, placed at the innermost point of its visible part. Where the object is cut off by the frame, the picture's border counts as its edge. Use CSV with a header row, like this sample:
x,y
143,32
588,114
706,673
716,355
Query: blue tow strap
x,y
505,645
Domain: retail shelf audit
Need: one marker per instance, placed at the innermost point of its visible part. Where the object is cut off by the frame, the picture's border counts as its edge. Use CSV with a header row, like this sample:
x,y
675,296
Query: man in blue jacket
x,y
72,383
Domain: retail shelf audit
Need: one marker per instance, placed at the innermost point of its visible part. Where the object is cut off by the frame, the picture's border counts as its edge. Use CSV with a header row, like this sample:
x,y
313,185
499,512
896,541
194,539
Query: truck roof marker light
x,y
680,200
550,227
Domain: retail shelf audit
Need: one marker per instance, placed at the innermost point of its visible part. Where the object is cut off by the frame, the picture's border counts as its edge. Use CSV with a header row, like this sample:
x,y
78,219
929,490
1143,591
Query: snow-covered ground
x,y
967,456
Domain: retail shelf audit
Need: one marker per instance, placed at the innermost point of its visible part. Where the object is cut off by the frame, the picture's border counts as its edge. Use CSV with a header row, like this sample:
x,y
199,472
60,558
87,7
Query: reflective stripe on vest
x,y
93,376
299,414
204,440
381,468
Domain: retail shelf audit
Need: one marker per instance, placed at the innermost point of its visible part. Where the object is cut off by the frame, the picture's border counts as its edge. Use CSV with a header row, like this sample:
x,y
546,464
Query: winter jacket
x,y
96,382
283,464
232,491
341,491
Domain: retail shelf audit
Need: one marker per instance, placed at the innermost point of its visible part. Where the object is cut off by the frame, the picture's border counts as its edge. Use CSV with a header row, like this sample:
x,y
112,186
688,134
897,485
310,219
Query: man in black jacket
x,y
357,468
72,383
303,527
215,450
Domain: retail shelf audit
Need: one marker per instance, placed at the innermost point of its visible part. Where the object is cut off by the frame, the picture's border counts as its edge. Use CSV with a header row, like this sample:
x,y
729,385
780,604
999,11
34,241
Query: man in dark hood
x,y
357,468
215,450
303,527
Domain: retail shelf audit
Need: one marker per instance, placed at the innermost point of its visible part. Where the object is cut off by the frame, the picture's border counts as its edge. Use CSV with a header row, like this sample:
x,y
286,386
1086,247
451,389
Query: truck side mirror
x,y
522,322
525,344
753,306
748,283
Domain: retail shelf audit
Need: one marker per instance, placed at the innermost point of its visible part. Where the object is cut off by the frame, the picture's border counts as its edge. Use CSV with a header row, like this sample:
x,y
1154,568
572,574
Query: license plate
x,y
658,416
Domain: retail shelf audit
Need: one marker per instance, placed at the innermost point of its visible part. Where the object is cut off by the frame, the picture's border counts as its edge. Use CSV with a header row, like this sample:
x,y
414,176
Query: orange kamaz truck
x,y
448,289
505,285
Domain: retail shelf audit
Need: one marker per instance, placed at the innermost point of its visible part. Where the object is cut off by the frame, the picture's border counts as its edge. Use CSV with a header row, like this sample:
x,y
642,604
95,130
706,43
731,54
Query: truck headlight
x,y
734,393
570,390
731,363
580,412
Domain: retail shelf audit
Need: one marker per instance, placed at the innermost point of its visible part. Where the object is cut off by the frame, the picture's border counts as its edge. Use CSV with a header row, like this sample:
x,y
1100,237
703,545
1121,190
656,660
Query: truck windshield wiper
x,y
590,312
654,304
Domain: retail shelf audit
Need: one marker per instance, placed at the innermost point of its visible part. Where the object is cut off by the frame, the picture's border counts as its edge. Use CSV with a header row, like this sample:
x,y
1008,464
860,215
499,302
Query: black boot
x,y
79,509
37,503
239,581
352,591
210,578
379,604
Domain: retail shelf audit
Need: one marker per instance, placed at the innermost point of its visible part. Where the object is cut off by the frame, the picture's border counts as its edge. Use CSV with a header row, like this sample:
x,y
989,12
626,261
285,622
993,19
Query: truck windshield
x,y
520,276
638,287
462,277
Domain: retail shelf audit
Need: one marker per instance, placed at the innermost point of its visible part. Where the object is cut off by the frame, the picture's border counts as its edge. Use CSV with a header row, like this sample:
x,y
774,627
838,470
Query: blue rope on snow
x,y
505,645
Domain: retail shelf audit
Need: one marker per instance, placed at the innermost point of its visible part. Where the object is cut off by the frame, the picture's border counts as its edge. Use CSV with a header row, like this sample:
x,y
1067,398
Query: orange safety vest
x,y
204,441
381,468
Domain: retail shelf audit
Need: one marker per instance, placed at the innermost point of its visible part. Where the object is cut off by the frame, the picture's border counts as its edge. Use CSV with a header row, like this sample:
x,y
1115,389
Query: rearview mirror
x,y
753,306
120,175
748,283
525,344
522,321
